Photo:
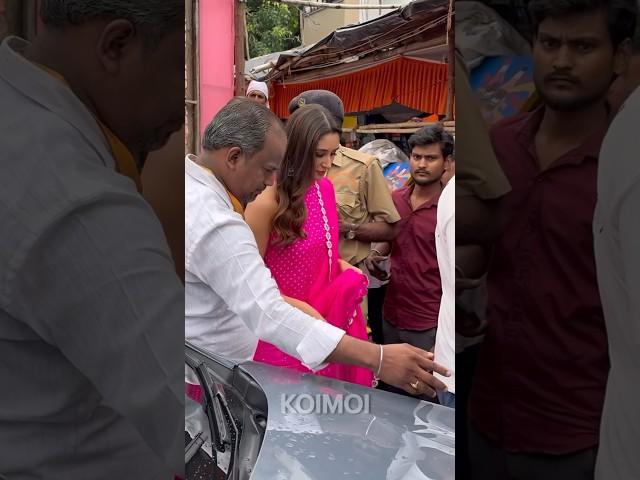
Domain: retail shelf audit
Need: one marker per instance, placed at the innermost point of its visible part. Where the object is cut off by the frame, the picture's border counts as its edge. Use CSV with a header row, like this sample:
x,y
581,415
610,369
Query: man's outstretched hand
x,y
404,364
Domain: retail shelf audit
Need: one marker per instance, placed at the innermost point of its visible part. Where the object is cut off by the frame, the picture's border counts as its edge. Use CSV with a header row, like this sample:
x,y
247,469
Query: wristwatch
x,y
351,233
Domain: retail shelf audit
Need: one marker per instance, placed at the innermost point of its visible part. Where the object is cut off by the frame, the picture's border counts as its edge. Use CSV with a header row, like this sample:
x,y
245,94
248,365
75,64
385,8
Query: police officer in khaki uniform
x,y
367,212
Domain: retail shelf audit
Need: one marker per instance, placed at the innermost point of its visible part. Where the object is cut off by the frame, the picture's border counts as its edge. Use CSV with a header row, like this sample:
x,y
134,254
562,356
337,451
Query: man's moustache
x,y
566,78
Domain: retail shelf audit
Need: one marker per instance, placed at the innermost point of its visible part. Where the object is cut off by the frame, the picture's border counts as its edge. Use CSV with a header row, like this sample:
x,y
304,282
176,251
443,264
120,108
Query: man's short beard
x,y
572,104
152,144
140,159
426,183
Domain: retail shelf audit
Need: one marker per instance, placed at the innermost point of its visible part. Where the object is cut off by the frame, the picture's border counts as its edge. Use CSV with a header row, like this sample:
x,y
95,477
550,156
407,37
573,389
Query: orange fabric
x,y
125,163
417,84
237,206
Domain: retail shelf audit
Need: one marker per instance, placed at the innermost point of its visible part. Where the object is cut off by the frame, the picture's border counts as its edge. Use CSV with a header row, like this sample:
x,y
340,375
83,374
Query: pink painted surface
x,y
216,57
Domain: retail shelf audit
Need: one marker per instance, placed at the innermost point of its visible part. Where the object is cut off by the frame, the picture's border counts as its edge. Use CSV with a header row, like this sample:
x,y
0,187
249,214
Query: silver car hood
x,y
399,437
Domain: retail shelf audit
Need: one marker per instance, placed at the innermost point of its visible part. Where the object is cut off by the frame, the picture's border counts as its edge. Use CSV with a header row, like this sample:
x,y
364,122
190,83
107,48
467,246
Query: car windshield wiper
x,y
212,405
193,447
218,412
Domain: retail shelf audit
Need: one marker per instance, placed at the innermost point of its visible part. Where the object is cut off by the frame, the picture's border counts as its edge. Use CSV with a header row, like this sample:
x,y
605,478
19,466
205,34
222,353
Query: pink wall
x,y
216,57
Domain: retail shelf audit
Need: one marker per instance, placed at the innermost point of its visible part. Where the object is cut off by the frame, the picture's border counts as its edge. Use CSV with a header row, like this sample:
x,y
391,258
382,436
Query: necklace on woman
x,y
327,233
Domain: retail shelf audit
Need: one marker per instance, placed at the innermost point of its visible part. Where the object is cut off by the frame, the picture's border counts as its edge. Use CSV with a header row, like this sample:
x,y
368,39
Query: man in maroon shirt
x,y
413,295
539,383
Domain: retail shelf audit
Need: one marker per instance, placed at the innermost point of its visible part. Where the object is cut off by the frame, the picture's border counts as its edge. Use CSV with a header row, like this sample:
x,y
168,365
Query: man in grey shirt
x,y
91,356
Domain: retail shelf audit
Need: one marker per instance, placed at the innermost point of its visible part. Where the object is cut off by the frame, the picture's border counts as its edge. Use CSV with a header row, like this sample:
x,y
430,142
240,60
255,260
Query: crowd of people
x,y
286,229
280,223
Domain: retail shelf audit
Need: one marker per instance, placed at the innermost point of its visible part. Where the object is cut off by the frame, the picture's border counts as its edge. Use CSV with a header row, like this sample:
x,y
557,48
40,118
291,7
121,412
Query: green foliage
x,y
272,27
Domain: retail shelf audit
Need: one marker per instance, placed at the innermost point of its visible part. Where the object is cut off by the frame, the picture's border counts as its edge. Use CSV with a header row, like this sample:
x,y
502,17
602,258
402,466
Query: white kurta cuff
x,y
321,340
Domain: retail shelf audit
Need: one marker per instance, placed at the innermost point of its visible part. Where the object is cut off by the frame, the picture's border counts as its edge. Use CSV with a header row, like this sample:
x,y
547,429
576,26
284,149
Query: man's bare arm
x,y
402,364
371,232
478,221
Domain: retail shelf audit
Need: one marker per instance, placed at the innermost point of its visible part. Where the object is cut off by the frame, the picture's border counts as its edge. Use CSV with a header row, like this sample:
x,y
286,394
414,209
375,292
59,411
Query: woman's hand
x,y
347,266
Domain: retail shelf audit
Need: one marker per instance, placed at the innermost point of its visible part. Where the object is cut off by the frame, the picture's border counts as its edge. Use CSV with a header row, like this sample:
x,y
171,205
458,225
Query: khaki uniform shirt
x,y
362,195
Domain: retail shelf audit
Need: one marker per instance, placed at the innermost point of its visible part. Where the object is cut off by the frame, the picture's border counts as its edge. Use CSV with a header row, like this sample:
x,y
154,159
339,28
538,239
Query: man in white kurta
x,y
616,229
445,349
231,300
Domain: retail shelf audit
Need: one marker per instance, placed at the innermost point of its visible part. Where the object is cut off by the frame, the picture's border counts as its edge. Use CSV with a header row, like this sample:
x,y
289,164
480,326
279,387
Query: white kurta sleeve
x,y
227,259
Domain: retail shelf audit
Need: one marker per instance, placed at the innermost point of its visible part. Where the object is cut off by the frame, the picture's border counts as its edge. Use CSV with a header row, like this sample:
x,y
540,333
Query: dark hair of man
x,y
621,14
153,19
304,129
433,134
240,123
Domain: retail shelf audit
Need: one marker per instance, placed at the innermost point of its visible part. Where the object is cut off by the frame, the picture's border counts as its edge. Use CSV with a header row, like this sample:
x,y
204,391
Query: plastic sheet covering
x,y
481,32
386,151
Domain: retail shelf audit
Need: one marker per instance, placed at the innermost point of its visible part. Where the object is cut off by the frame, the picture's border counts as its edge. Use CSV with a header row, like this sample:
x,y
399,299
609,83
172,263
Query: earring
x,y
290,172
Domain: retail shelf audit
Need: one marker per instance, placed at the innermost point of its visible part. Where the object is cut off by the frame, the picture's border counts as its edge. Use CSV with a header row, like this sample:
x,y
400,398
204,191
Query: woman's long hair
x,y
304,129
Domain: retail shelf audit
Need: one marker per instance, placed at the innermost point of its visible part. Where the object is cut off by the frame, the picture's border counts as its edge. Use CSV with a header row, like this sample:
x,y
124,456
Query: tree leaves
x,y
271,27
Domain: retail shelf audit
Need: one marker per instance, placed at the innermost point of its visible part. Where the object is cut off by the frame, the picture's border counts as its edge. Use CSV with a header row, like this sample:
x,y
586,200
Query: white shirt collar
x,y
54,95
205,177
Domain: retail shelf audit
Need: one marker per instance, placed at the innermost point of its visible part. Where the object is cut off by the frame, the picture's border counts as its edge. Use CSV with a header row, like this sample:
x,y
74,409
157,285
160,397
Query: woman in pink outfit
x,y
296,227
